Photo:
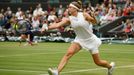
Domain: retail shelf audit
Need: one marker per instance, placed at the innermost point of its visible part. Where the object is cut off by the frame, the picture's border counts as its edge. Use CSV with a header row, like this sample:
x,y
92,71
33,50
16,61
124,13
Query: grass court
x,y
35,60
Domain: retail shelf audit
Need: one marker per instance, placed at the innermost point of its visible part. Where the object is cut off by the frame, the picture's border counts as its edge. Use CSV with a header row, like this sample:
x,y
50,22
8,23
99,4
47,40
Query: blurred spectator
x,y
103,19
111,17
106,2
8,13
127,8
2,11
126,11
97,16
35,23
52,16
2,21
30,10
66,13
60,10
132,27
38,11
44,25
128,26
119,12
19,13
45,15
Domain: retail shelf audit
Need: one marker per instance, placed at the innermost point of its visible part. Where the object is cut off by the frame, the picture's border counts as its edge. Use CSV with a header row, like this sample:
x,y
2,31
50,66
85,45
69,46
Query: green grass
x,y
35,60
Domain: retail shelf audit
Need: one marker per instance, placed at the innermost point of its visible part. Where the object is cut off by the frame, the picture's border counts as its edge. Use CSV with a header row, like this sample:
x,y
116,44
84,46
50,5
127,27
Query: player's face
x,y
71,9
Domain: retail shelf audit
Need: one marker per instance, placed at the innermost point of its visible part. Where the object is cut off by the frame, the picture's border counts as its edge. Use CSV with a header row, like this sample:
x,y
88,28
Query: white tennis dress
x,y
84,33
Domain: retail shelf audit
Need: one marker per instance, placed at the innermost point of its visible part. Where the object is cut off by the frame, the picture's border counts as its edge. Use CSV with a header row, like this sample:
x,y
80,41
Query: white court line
x,y
19,70
75,71
119,67
84,70
50,53
29,54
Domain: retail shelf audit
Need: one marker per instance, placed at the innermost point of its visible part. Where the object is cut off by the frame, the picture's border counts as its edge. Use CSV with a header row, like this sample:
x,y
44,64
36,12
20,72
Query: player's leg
x,y
30,38
95,55
103,63
100,62
21,37
73,49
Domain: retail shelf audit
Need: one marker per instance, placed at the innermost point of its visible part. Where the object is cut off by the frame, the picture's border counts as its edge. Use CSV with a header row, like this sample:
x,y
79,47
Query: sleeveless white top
x,y
82,28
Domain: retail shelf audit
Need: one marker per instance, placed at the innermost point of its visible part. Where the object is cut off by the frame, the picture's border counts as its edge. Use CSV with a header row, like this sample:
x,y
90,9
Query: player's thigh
x,y
74,48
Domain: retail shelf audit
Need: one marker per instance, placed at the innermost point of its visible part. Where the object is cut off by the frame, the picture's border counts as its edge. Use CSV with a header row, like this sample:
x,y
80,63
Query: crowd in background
x,y
104,12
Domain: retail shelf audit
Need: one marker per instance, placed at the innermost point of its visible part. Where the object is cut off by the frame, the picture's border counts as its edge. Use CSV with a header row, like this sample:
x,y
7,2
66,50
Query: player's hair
x,y
77,3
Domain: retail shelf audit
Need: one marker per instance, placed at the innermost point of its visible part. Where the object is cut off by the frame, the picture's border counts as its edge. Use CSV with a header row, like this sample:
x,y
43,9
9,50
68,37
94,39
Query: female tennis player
x,y
81,22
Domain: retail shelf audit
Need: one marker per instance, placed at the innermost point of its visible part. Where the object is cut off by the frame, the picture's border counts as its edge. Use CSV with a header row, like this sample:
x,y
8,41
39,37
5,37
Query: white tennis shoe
x,y
110,71
52,71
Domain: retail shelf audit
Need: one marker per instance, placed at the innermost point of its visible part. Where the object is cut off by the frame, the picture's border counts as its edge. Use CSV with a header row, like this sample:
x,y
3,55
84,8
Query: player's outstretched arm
x,y
65,21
